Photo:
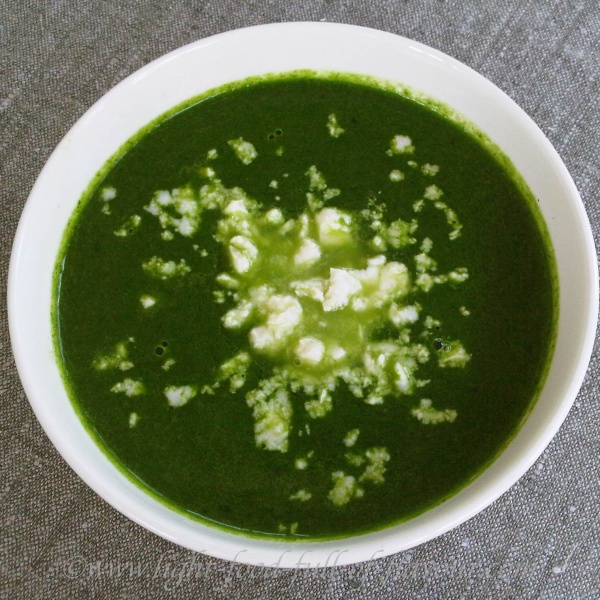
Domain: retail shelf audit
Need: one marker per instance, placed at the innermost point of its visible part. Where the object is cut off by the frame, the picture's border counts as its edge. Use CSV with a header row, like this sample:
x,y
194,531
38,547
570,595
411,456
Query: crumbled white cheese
x,y
431,323
176,211
283,314
317,315
244,150
398,234
433,192
116,360
459,275
129,226
403,315
345,488
129,387
337,353
430,170
147,301
426,245
227,281
355,460
163,269
424,263
319,407
453,355
309,351
272,418
168,364
308,253
243,253
238,315
301,495
310,288
333,126
341,286
234,370
108,193
334,228
428,415
316,180
401,144
274,217
376,467
179,395
351,437
393,283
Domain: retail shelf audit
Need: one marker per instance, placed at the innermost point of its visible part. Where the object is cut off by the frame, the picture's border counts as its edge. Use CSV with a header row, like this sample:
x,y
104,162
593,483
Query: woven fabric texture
x,y
58,539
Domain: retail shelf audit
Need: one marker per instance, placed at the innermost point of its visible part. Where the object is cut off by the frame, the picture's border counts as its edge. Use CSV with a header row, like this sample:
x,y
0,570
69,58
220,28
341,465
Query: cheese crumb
x,y
319,407
401,144
168,364
129,387
163,269
351,438
147,301
345,488
129,226
108,193
375,469
430,170
309,351
334,228
404,315
179,395
244,150
433,193
177,211
334,127
116,360
301,495
453,355
308,253
340,288
234,370
272,412
430,416
243,253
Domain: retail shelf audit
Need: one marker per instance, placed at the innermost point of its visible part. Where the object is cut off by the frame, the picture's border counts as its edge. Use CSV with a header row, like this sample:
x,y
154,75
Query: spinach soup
x,y
305,306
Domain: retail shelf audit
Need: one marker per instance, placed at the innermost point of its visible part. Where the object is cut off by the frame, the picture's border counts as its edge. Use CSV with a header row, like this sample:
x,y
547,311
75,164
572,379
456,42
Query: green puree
x,y
305,306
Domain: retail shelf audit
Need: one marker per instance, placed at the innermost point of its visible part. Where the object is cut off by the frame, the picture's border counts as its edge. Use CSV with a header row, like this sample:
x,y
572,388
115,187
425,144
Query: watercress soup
x,y
305,306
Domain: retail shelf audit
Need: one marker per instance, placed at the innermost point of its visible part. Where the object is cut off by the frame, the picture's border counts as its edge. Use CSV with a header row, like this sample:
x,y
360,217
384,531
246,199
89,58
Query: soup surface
x,y
304,307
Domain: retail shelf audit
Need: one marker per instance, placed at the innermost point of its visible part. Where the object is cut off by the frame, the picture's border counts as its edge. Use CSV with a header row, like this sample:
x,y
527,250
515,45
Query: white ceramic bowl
x,y
232,56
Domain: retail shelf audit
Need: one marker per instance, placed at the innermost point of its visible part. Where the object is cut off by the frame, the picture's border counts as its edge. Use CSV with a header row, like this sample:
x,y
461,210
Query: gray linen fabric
x,y
58,539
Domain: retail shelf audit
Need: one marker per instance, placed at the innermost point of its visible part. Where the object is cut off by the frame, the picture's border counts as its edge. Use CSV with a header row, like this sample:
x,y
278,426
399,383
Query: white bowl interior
x,y
270,49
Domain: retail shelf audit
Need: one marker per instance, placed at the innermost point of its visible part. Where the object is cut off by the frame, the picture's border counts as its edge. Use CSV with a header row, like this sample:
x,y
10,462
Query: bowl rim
x,y
24,300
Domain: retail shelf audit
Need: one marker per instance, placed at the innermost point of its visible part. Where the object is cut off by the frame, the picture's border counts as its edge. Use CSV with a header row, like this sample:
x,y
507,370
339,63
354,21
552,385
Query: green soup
x,y
305,306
